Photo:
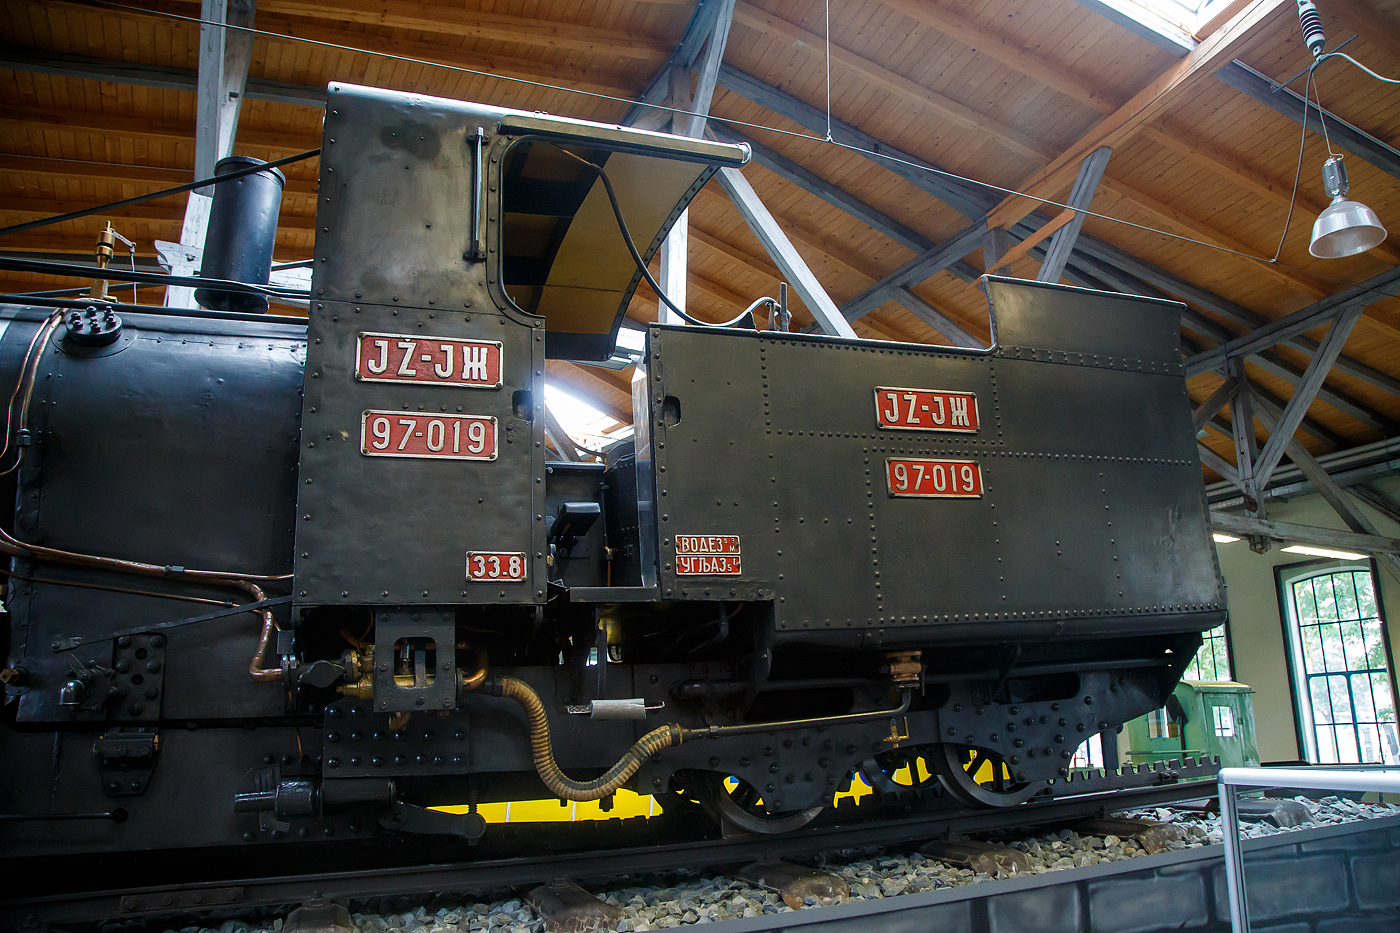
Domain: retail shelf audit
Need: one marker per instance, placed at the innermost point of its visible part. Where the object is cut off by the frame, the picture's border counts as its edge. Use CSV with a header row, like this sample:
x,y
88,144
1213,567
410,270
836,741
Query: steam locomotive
x,y
272,580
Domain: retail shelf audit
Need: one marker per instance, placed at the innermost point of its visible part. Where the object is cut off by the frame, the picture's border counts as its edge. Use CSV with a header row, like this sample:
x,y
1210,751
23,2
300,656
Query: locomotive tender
x,y
818,555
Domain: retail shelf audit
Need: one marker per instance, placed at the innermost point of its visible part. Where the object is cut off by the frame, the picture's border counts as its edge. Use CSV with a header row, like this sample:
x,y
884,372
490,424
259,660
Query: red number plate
x,y
708,556
926,410
438,361
939,479
496,566
432,437
708,565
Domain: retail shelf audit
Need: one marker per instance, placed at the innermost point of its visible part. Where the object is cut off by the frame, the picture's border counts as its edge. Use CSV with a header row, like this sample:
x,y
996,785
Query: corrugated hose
x,y
542,749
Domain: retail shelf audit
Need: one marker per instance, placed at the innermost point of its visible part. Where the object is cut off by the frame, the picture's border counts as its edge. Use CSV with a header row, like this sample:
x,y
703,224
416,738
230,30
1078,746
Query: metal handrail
x,y
1380,781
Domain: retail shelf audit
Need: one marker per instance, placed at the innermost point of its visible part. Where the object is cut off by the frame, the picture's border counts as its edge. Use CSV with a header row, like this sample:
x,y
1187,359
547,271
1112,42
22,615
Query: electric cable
x,y
164,192
1297,176
828,69
1378,77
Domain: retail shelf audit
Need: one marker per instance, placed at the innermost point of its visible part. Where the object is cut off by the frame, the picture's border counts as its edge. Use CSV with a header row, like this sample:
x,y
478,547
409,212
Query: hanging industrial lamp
x,y
1344,228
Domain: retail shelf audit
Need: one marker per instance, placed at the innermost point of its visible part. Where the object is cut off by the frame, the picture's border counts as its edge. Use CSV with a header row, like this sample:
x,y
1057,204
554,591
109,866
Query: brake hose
x,y
543,750
666,736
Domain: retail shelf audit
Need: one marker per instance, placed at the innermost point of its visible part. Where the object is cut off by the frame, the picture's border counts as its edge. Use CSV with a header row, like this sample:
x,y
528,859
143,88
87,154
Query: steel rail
x,y
243,893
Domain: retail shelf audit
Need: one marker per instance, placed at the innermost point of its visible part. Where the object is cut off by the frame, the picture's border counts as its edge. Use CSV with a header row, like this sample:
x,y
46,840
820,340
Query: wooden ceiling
x,y
96,105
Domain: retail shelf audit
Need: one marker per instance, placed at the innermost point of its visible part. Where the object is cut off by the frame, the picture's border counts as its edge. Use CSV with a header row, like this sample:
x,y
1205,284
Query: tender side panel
x,y
714,478
1066,499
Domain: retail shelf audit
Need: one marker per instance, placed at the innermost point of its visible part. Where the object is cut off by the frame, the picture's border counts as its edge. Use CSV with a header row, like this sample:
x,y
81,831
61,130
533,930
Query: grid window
x,y
1340,670
1212,662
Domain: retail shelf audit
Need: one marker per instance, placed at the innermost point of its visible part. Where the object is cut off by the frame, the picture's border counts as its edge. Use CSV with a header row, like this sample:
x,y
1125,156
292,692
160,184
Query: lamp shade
x,y
1345,228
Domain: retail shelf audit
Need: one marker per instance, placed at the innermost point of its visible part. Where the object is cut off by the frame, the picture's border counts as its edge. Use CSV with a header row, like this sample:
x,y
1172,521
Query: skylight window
x,y
1182,13
589,427
1183,22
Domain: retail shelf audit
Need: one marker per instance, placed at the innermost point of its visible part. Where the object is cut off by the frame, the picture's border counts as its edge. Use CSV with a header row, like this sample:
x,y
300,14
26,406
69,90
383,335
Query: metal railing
x,y
1380,781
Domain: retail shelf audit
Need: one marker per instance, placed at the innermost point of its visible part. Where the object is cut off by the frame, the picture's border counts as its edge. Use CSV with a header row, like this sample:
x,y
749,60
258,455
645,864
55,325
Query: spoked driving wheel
x,y
900,771
741,804
980,778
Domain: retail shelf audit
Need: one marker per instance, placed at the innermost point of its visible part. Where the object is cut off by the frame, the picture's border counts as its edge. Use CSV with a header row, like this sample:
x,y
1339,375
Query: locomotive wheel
x,y
742,806
957,767
882,771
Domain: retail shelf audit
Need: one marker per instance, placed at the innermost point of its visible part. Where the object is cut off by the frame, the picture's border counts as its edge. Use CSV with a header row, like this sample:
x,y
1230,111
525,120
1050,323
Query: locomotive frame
x,y
745,591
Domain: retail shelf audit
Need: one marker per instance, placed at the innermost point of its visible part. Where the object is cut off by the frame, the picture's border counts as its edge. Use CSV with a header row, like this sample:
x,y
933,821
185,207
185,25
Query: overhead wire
x,y
1378,77
828,70
1297,176
869,153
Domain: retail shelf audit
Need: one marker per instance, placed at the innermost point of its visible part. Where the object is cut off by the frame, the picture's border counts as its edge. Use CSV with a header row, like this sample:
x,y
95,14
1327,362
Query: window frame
x,y
1229,652
1285,575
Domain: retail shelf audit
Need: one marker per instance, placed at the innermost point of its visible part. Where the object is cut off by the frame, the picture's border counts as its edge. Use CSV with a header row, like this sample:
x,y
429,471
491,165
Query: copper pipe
x,y
40,340
255,666
475,680
15,548
115,589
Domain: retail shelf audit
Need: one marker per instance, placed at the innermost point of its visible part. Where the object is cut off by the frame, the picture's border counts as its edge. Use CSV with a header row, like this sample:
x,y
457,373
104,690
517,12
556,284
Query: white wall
x,y
1256,630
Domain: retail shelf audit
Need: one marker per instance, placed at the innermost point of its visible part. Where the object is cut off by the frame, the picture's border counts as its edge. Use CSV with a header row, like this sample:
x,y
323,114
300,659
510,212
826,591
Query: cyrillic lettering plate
x,y
424,360
926,410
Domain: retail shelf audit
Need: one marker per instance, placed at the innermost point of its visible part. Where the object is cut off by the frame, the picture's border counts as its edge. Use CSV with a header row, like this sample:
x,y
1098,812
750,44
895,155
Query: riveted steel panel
x,y
711,472
1091,521
394,255
174,446
394,205
395,530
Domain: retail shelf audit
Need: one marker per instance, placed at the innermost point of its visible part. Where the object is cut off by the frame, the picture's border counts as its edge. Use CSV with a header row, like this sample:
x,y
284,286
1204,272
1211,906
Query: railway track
x,y
900,823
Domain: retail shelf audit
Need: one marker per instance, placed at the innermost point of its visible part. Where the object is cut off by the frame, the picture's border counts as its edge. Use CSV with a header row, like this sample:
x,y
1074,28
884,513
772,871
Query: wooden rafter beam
x,y
790,171
1025,246
1297,407
1303,534
1028,60
150,212
891,81
52,120
1342,133
1376,288
436,52
1178,221
968,199
563,75
1377,28
118,173
1121,125
597,385
1111,257
437,19
775,240
1237,171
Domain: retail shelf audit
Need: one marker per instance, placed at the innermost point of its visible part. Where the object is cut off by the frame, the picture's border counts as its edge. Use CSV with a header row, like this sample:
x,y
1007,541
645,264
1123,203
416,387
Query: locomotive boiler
x,y
273,581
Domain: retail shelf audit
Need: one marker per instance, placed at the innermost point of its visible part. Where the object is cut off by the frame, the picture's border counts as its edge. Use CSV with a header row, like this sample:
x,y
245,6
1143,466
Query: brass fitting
x,y
14,677
362,689
104,250
905,667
